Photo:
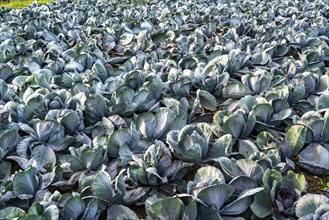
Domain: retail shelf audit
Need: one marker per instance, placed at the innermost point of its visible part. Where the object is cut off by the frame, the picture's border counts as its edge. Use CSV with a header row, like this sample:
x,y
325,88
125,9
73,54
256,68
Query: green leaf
x,y
48,131
73,66
260,58
7,141
191,211
263,112
19,81
236,90
241,204
296,92
44,156
209,213
120,187
280,116
93,158
96,107
121,212
3,89
323,83
5,71
325,131
247,147
195,107
262,205
5,169
249,125
158,37
171,208
132,196
126,39
25,182
51,212
11,213
263,139
73,208
70,54
146,123
193,154
124,95
43,77
125,154
100,70
102,186
294,181
269,177
163,117
207,100
247,103
36,209
170,35
119,137
314,158
209,173
32,106
74,163
309,203
92,210
70,121
317,128
296,138
250,168
187,62
215,196
234,125
33,67
242,183
229,167
147,25
221,148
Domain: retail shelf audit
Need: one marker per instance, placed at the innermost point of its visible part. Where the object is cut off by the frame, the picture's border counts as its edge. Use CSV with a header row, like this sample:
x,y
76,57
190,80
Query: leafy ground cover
x,y
164,110
22,3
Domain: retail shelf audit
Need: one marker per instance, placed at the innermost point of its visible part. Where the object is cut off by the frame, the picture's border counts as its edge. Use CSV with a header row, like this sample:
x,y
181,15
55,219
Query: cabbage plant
x,y
280,195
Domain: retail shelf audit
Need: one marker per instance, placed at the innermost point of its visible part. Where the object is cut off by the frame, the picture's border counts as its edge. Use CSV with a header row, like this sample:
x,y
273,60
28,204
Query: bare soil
x,y
315,184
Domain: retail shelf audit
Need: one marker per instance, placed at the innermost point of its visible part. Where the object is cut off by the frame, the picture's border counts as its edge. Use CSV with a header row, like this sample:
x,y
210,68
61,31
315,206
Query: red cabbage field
x,y
166,109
